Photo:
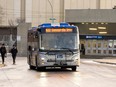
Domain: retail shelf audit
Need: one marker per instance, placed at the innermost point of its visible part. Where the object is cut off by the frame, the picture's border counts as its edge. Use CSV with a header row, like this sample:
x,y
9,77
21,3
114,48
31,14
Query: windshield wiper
x,y
68,50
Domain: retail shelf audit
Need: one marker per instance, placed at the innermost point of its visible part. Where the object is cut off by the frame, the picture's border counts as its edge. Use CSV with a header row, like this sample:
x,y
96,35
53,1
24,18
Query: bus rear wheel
x,y
41,68
32,67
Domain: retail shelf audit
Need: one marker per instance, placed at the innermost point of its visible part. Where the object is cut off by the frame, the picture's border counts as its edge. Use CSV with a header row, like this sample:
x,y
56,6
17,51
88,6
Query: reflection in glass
x,y
57,41
88,51
110,51
99,51
114,51
94,51
99,45
114,43
105,44
89,44
94,43
110,45
104,51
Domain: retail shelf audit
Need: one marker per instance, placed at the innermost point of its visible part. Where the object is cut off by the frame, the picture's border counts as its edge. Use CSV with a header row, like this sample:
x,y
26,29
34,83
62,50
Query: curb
x,y
105,62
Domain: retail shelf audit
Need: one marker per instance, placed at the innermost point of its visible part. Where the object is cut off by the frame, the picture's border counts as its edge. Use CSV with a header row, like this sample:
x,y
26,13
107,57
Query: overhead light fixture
x,y
101,27
92,23
83,23
87,23
102,32
102,23
93,29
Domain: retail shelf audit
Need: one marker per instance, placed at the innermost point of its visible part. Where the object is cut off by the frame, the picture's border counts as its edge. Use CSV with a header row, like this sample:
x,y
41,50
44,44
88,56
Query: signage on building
x,y
93,37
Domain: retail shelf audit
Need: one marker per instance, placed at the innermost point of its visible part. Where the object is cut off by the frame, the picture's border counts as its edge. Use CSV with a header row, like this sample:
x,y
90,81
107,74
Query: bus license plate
x,y
59,56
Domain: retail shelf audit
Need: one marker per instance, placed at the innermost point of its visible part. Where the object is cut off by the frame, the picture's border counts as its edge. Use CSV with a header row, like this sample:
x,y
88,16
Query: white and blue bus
x,y
53,45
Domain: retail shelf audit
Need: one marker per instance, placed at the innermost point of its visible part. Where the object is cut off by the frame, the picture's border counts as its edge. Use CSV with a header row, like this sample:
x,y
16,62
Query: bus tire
x,y
74,68
41,68
36,62
32,67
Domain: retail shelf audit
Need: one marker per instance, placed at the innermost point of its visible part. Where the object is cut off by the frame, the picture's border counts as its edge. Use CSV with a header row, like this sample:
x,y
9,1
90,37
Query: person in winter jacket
x,y
3,52
14,52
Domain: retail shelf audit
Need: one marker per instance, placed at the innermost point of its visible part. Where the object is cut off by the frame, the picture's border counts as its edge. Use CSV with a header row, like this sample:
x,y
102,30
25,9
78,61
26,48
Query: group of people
x,y
3,52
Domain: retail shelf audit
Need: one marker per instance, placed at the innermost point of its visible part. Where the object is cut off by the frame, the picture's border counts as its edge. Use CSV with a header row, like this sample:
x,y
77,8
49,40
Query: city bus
x,y
53,45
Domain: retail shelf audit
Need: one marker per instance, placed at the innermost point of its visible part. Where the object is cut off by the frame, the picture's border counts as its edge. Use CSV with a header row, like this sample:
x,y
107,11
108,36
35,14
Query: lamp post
x,y
52,18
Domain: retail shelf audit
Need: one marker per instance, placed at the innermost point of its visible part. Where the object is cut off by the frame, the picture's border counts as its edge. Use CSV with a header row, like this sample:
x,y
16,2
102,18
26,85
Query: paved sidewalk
x,y
106,61
9,61
101,59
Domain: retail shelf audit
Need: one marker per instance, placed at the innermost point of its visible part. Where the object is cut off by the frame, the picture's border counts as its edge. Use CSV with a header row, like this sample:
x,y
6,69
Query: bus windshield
x,y
58,41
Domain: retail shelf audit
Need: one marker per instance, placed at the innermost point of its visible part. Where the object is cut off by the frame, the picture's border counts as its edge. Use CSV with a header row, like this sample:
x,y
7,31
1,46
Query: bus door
x,y
32,56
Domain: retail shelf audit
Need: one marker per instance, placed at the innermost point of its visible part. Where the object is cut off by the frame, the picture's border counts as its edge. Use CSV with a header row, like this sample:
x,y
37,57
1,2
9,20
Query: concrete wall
x,y
91,15
22,38
39,11
89,4
10,10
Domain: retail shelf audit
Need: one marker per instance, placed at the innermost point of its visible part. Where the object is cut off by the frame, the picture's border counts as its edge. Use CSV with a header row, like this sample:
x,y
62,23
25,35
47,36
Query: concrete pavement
x,y
9,61
89,74
106,61
101,59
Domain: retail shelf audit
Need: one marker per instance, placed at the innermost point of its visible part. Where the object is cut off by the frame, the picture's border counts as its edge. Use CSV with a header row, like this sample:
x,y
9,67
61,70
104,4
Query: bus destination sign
x,y
58,30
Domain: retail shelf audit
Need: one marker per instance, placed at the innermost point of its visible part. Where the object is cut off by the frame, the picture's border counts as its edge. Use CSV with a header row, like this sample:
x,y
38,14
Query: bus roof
x,y
58,26
52,25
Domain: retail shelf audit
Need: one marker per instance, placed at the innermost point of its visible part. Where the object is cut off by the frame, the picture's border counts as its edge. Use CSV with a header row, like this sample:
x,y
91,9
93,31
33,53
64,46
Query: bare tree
x,y
13,25
1,20
18,21
1,15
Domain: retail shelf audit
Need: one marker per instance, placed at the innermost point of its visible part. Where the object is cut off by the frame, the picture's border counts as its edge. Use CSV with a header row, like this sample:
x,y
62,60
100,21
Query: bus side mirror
x,y
36,34
39,30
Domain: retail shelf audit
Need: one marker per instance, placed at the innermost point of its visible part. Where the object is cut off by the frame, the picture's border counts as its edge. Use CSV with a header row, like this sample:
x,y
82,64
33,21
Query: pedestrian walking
x,y
83,49
14,52
3,52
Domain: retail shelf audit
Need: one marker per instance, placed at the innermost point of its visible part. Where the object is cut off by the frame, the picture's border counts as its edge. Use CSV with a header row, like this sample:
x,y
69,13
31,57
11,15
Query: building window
x,y
104,51
110,45
94,51
114,43
88,51
99,45
114,51
105,44
89,44
110,51
99,51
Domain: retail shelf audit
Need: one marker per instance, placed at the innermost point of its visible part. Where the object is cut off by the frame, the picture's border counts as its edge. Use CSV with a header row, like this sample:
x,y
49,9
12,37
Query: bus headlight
x,y
42,59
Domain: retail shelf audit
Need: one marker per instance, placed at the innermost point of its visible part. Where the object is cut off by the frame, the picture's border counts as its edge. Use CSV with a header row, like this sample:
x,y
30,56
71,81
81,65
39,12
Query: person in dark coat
x,y
14,52
83,49
3,52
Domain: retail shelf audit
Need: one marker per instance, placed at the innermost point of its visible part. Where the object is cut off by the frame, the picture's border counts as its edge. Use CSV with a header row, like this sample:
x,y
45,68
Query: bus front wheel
x,y
74,68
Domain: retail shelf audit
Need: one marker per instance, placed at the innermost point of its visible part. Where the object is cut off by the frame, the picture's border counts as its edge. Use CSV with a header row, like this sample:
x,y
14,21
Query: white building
x,y
40,11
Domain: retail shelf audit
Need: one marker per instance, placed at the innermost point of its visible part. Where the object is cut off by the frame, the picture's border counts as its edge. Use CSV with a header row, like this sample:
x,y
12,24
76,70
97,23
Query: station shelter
x,y
97,28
